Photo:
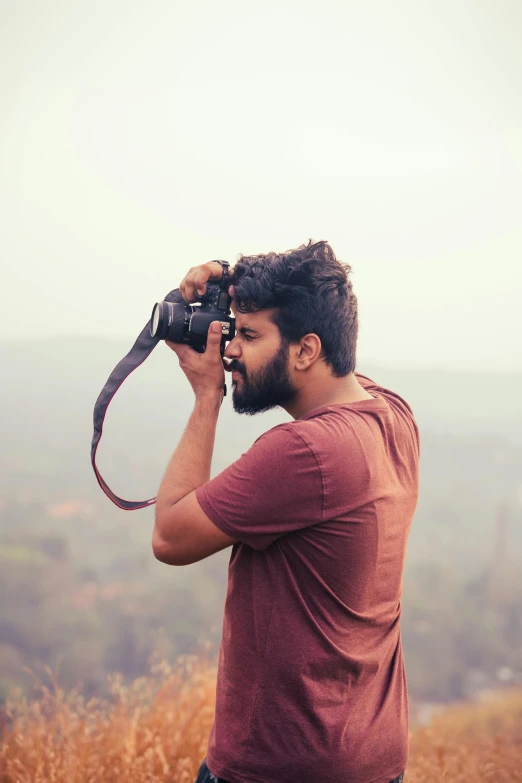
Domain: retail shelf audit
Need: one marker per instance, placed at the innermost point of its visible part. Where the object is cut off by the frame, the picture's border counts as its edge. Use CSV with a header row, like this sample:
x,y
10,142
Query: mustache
x,y
232,366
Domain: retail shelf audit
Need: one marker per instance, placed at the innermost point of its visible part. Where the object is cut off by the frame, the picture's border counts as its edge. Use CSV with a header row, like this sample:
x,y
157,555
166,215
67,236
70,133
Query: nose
x,y
233,349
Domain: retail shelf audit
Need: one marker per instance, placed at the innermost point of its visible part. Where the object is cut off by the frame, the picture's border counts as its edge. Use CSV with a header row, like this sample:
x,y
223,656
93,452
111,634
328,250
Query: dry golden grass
x,y
479,742
157,730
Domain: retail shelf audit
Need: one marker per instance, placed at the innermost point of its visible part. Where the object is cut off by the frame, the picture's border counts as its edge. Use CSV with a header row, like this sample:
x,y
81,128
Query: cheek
x,y
256,354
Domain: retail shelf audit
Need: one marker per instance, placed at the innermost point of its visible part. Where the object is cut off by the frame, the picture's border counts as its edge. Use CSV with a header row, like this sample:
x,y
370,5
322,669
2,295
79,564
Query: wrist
x,y
209,399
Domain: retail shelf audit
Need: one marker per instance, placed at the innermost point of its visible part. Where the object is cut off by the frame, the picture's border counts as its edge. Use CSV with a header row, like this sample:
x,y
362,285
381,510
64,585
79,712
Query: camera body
x,y
180,322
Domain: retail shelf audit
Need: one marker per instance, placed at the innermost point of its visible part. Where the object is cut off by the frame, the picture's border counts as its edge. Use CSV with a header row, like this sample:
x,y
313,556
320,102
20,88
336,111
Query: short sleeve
x,y
275,488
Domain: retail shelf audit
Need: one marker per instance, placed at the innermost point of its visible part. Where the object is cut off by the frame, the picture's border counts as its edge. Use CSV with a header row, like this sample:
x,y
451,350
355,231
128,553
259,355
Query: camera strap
x,y
143,346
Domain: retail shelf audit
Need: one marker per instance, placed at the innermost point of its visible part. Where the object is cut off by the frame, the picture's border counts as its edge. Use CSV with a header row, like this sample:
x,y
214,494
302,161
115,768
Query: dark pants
x,y
205,776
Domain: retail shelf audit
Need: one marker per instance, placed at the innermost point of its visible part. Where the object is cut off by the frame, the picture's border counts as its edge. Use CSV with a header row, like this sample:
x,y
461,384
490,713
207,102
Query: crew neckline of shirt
x,y
379,399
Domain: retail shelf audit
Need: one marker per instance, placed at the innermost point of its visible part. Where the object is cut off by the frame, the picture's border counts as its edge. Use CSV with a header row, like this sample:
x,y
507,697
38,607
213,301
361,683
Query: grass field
x,y
157,730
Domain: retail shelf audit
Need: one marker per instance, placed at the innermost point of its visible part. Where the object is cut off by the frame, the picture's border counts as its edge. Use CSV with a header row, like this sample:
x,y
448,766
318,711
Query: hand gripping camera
x,y
178,322
190,323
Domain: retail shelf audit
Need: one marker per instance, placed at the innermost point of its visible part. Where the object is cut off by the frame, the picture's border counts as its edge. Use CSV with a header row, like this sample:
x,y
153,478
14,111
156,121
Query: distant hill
x,y
72,370
471,427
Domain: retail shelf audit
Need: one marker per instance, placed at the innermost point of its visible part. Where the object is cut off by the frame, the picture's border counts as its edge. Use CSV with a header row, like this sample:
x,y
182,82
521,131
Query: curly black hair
x,y
311,292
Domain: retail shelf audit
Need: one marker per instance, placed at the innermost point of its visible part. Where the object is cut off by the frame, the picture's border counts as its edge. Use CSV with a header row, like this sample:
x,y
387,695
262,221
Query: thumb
x,y
215,333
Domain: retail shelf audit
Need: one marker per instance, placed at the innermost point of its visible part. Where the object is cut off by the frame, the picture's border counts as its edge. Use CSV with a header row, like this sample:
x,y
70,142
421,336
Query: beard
x,y
265,389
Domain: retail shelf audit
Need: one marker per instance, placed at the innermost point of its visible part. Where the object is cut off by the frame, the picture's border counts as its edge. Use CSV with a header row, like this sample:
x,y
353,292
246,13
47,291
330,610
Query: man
x,y
311,684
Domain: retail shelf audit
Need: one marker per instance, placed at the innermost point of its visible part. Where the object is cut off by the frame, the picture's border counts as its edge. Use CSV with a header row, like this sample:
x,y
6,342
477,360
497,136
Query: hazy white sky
x,y
138,139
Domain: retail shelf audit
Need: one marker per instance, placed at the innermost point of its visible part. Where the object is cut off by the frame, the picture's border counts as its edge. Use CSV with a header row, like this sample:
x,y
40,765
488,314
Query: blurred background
x,y
140,139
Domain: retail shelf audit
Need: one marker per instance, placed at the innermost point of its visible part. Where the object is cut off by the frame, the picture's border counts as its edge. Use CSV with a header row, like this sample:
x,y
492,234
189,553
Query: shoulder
x,y
290,435
290,445
402,413
388,394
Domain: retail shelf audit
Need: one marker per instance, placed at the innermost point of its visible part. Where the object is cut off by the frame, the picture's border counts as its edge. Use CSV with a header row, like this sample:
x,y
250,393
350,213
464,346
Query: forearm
x,y
189,466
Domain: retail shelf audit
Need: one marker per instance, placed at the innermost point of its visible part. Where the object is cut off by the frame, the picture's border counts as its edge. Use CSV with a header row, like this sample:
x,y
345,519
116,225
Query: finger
x,y
194,282
212,270
183,292
215,333
197,276
200,281
190,286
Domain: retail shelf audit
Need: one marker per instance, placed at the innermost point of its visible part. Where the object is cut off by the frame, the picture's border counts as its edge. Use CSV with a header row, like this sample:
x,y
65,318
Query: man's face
x,y
260,357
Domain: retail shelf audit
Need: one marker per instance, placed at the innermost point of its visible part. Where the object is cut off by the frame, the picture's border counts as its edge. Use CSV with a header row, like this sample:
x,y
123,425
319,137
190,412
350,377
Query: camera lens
x,y
168,321
155,320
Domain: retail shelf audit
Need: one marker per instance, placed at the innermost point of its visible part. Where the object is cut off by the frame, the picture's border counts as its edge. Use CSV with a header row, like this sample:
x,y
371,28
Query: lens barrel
x,y
168,321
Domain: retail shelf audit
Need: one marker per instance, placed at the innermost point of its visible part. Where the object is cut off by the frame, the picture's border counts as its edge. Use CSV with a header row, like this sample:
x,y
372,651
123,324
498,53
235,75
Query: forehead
x,y
258,321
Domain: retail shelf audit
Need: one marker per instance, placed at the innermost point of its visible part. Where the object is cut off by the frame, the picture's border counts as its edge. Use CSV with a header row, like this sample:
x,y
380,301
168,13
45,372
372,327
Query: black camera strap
x,y
143,346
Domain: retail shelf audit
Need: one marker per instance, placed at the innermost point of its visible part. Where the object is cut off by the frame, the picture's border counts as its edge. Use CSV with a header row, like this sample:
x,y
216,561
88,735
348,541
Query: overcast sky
x,y
138,139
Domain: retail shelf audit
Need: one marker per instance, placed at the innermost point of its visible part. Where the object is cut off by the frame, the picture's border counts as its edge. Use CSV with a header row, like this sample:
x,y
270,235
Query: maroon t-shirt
x,y
311,684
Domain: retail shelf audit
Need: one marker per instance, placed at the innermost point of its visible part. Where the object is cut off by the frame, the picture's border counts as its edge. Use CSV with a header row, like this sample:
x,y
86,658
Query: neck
x,y
323,391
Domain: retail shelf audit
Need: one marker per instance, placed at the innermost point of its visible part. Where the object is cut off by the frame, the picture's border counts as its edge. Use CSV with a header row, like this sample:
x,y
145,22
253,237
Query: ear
x,y
308,351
